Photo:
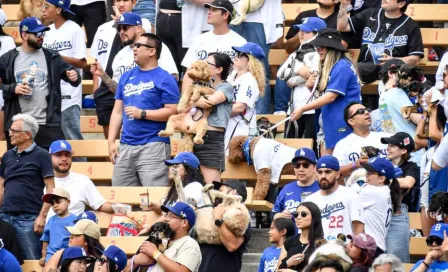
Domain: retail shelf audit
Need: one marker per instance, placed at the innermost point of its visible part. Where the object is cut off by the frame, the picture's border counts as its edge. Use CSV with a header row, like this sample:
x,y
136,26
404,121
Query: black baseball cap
x,y
400,139
234,184
391,64
221,4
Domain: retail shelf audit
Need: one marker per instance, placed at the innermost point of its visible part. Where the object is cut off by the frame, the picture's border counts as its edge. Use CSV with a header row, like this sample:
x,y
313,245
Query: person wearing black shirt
x,y
389,26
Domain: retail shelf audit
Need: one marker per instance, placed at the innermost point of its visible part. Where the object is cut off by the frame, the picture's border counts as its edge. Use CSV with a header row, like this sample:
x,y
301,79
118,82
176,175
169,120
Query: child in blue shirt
x,y
55,235
281,229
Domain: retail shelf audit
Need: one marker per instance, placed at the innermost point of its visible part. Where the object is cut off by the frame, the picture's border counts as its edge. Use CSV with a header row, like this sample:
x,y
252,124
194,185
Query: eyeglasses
x,y
372,173
241,54
14,131
302,214
360,111
305,165
431,239
102,260
39,34
123,27
172,216
212,64
137,45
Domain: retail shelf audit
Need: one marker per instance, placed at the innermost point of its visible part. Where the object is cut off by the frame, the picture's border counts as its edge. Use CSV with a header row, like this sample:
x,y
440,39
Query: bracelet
x,y
353,165
156,255
425,264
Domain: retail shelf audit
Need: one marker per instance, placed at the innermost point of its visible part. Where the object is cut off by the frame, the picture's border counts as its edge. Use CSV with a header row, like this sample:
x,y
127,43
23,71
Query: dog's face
x,y
236,154
408,74
369,152
199,71
160,234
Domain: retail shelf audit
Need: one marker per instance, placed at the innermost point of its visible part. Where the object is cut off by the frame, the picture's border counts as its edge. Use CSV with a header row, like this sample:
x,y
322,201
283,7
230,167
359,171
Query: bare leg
x,y
210,174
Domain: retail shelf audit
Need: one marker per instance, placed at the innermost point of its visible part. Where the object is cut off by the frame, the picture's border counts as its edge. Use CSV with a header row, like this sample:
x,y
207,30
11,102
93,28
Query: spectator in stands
x,y
362,249
211,152
6,42
392,34
68,39
113,259
146,97
434,260
220,39
8,263
182,254
82,190
147,10
248,79
380,199
349,150
438,207
387,262
10,242
297,249
229,255
75,259
338,88
399,147
105,46
25,171
54,236
339,205
263,27
296,192
86,234
325,264
440,158
281,229
48,69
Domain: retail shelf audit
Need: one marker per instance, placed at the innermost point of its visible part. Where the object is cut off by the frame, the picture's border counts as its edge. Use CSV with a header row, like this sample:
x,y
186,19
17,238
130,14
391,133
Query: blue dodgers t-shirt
x,y
343,81
146,90
269,259
56,234
436,266
8,263
292,195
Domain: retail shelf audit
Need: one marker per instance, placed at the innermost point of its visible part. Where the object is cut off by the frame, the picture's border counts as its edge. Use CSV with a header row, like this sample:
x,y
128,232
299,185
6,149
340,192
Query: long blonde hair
x,y
256,68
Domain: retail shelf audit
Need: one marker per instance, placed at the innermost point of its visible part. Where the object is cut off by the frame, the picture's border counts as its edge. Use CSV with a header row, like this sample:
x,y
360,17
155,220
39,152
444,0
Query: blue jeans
x,y
282,95
146,9
29,242
71,123
398,235
254,32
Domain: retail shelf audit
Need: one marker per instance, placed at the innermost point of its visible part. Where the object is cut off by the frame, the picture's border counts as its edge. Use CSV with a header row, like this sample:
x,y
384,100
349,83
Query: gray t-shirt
x,y
221,113
29,67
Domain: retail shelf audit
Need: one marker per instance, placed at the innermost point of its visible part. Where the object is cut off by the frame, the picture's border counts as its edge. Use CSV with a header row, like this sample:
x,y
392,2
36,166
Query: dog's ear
x,y
236,149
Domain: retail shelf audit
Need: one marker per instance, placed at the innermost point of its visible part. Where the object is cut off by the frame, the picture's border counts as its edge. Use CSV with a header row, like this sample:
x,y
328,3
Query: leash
x,y
276,125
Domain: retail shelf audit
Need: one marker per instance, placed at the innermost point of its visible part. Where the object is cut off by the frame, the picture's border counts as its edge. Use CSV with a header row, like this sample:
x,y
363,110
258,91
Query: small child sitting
x,y
281,228
55,235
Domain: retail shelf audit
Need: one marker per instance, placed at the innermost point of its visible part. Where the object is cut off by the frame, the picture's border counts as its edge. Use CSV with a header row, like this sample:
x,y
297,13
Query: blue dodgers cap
x,y
87,215
305,153
75,252
183,210
311,24
187,158
252,49
328,161
63,4
116,255
438,230
130,18
60,145
32,25
381,166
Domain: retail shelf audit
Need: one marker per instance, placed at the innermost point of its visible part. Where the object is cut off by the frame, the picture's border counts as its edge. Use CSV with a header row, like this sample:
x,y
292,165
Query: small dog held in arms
x,y
359,176
194,123
245,7
270,158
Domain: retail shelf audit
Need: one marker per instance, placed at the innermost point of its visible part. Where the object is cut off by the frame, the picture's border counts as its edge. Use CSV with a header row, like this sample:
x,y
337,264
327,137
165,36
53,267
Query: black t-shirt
x,y
401,36
9,237
293,246
359,269
411,197
216,258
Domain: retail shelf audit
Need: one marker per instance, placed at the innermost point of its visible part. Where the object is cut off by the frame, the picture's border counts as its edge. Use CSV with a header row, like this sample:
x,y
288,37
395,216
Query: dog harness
x,y
203,84
246,151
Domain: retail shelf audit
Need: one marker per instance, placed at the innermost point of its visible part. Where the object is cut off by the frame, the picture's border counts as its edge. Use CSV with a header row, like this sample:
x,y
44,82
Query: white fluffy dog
x,y
245,7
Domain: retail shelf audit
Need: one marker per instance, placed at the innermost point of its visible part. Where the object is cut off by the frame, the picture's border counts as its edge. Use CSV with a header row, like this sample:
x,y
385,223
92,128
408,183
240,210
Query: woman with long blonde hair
x,y
337,87
249,81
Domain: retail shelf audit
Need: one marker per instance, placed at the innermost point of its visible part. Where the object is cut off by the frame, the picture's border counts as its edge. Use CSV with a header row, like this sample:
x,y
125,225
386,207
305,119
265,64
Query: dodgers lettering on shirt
x,y
269,259
146,90
292,195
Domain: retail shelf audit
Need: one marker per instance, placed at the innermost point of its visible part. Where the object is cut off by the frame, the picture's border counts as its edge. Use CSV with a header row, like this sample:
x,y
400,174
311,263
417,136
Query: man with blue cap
x,y
183,252
294,193
434,259
33,82
339,205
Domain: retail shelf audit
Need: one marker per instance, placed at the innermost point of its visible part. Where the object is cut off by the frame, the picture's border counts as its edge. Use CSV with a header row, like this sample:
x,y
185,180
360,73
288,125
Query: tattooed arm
x,y
343,25
109,82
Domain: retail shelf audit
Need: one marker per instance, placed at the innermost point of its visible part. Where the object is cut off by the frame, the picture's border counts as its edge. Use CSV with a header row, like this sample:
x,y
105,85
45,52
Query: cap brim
x,y
217,185
210,5
46,197
368,167
329,43
74,230
72,152
39,29
301,158
166,209
391,141
172,162
302,27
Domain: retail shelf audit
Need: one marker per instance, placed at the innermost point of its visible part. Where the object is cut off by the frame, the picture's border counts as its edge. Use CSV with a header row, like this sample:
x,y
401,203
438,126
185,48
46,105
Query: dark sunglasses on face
x,y
361,111
137,45
305,165
38,34
123,27
431,239
302,214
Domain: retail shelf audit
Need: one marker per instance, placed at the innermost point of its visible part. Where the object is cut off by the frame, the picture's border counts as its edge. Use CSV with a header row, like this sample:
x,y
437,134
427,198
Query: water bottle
x,y
29,79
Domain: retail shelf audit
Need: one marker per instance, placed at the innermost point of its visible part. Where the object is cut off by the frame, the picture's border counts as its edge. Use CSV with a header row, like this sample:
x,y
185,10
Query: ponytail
x,y
395,194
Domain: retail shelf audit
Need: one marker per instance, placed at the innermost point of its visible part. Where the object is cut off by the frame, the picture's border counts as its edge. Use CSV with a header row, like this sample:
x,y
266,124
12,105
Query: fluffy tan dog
x,y
271,160
30,8
244,8
194,123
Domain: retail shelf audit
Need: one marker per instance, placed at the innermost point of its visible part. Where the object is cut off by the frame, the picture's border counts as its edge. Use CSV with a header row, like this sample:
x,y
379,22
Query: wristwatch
x,y
218,222
143,114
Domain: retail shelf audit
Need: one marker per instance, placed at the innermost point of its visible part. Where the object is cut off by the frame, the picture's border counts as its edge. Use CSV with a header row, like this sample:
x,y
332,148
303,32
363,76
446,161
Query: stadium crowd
x,y
347,210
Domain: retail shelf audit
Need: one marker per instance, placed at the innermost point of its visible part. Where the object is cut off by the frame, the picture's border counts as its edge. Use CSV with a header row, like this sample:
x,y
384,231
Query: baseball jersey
x,y
124,61
245,91
348,150
269,259
377,205
209,42
292,195
441,155
338,211
69,41
401,36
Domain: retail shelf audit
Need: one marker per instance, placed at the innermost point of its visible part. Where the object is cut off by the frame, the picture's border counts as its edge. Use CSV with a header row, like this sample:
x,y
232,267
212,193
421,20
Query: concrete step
x,y
251,257
258,241
249,267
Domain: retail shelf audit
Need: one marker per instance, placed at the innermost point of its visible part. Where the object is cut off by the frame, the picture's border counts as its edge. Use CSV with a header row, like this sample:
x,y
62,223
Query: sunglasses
x,y
360,111
431,239
37,34
212,64
302,214
305,165
241,54
137,45
102,260
123,27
